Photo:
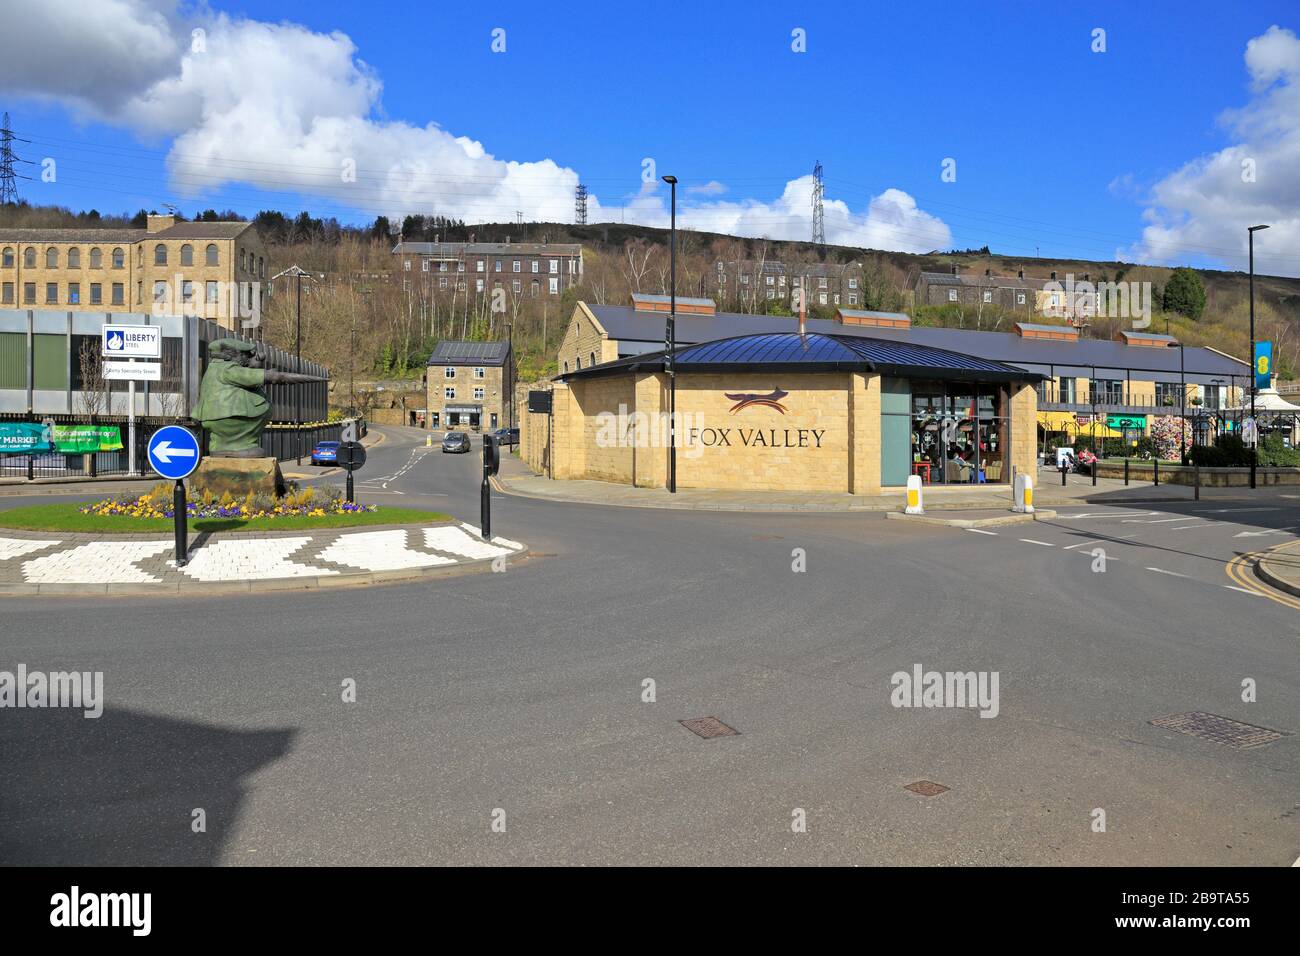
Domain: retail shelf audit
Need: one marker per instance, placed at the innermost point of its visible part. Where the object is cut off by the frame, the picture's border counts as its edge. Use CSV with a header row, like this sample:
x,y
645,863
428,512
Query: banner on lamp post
x,y
1263,364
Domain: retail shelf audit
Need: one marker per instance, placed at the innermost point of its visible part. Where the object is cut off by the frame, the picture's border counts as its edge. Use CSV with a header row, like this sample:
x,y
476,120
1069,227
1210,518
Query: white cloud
x,y
1202,209
287,109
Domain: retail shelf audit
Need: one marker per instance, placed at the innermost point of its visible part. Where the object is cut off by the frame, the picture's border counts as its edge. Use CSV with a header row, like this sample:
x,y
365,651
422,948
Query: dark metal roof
x,y
815,352
469,353
1110,359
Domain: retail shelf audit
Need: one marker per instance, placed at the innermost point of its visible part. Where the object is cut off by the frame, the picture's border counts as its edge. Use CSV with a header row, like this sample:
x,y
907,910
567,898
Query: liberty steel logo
x,y
743,400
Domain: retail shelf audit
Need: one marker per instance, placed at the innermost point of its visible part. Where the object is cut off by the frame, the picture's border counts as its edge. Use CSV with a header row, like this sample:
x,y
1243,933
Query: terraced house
x,y
213,270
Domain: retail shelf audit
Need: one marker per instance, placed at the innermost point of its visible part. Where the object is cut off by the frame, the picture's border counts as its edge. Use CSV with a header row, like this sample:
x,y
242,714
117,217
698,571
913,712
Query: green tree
x,y
1185,293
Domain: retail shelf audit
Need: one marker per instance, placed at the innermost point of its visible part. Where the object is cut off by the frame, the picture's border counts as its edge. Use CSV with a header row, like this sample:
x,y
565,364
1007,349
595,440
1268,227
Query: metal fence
x,y
280,441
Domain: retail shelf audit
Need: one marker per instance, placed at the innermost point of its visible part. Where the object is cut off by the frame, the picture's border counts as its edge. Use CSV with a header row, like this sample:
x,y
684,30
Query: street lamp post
x,y
297,272
670,340
1254,445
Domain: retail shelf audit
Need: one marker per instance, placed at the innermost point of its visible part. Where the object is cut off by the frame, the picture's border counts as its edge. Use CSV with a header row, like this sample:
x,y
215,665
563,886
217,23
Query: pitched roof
x,y
816,352
983,281
453,250
71,235
202,230
1109,359
449,352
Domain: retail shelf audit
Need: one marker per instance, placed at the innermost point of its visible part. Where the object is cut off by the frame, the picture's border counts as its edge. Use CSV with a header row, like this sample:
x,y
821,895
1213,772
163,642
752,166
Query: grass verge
x,y
66,517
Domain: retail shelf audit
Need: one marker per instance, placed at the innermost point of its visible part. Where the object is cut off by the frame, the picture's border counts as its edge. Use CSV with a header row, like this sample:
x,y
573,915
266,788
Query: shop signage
x,y
1120,422
20,437
132,341
756,437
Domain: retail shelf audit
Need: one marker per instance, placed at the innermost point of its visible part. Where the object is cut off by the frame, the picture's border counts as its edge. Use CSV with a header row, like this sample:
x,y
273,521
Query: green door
x,y
895,431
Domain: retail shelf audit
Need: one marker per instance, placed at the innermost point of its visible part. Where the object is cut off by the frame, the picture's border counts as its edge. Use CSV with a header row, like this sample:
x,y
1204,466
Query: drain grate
x,y
709,727
1220,730
927,788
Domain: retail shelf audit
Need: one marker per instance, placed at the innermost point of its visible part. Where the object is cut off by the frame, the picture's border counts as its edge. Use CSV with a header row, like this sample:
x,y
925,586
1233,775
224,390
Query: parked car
x,y
456,442
506,436
325,453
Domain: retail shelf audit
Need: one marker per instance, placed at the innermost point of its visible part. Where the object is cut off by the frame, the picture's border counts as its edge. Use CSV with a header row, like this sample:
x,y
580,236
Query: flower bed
x,y
158,503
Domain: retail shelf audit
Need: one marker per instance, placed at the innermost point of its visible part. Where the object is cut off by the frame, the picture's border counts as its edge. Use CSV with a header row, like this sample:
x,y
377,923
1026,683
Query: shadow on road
x,y
120,790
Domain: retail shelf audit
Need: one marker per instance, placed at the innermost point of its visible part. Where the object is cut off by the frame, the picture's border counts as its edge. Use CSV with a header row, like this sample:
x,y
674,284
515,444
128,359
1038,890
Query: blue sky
x,y
1058,148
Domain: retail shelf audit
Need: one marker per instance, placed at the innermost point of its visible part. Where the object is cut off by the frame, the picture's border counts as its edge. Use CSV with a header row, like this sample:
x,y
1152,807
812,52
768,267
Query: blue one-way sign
x,y
174,451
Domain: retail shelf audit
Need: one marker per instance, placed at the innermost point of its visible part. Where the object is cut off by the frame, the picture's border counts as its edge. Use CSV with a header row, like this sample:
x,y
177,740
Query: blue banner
x,y
1263,364
20,437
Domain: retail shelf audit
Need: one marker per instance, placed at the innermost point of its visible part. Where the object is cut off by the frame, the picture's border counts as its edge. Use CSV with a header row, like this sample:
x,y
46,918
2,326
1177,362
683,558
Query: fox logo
x,y
743,400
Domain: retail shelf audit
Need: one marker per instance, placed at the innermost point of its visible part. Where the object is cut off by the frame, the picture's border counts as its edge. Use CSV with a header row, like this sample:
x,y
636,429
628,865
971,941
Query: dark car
x,y
457,442
325,453
506,436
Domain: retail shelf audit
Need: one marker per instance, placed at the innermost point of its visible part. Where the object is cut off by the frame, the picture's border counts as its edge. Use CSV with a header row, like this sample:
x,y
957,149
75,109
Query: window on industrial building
x,y
7,293
160,255
74,258
74,293
8,257
96,258
211,253
29,293
51,258
479,372
424,266
51,292
449,391
29,258
555,286
187,255
187,291
119,259
119,294
96,294
952,295
449,372
160,291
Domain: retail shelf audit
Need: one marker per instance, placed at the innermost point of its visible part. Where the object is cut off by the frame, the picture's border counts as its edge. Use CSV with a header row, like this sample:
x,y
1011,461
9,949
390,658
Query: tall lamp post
x,y
1254,445
297,273
670,341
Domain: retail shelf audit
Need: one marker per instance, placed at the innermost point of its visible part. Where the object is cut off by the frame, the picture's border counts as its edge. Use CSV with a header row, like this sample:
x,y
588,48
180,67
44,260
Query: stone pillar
x,y
650,454
567,448
1024,430
864,433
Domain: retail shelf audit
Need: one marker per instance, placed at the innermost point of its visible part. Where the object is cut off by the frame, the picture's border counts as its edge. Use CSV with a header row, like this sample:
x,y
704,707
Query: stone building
x,y
212,270
470,385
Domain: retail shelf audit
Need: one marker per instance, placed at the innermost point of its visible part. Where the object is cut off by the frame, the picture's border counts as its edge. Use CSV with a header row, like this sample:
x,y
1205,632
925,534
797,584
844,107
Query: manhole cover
x,y
927,788
708,727
1220,730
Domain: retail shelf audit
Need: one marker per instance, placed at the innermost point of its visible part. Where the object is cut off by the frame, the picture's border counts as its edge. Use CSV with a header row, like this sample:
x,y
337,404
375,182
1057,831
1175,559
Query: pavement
x,y
395,725
517,479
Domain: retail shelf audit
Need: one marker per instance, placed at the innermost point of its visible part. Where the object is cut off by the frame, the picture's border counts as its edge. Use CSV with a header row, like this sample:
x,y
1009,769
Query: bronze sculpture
x,y
232,406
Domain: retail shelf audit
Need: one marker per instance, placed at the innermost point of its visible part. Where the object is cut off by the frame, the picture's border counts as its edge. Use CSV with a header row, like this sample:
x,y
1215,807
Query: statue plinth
x,y
238,476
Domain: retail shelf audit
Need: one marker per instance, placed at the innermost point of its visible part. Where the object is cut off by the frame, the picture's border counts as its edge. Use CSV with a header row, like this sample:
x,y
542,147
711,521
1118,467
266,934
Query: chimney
x,y
1053,276
1020,274
803,294
988,272
159,223
954,270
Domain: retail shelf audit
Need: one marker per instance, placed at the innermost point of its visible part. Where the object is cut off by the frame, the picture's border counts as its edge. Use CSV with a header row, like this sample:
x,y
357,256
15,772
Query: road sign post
x,y
174,453
351,456
491,463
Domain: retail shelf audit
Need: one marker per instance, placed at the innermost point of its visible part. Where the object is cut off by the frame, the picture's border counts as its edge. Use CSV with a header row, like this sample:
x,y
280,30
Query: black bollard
x,y
182,524
1156,471
1196,480
1126,471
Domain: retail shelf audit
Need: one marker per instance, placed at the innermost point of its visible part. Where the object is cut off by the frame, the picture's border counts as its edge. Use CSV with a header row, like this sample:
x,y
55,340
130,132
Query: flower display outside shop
x,y
1166,432
157,503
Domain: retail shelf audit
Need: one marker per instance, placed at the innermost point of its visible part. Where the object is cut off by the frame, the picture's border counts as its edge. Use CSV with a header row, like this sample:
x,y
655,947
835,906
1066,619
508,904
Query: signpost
x,y
174,452
351,456
131,342
491,462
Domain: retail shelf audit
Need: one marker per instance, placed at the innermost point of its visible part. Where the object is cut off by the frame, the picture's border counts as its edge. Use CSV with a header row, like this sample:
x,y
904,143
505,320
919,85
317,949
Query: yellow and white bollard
x,y
428,441
914,496
1024,495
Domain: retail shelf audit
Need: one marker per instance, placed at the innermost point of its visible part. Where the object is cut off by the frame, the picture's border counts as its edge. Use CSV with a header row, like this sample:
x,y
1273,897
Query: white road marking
x,y
1045,544
1260,534
1224,511
1231,587
979,531
1171,573
1082,544
236,560
1153,521
1203,524
1110,514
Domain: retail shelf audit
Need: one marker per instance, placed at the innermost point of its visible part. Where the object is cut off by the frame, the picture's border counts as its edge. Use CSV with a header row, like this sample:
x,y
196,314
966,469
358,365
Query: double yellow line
x,y
1241,570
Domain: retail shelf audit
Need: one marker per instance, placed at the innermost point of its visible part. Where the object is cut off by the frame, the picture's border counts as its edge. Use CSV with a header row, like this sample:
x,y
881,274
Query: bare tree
x,y
638,256
92,397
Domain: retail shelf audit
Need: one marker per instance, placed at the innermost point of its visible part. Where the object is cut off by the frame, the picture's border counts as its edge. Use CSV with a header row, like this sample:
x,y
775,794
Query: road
x,y
522,692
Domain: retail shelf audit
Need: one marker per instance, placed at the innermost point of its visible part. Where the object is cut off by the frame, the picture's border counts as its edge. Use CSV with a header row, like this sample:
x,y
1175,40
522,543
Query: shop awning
x,y
1068,423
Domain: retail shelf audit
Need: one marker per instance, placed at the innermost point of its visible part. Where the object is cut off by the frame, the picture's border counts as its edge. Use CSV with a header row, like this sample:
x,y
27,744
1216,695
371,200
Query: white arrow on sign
x,y
164,452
